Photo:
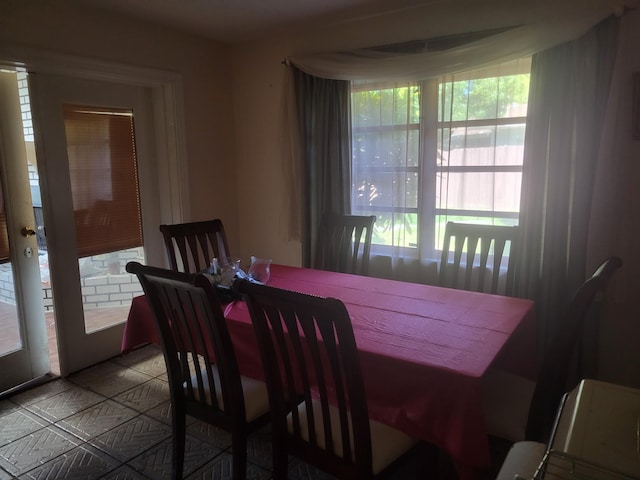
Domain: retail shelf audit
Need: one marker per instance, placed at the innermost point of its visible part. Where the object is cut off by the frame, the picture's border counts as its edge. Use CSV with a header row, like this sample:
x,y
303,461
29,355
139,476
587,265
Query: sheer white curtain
x,y
480,143
567,21
445,149
386,149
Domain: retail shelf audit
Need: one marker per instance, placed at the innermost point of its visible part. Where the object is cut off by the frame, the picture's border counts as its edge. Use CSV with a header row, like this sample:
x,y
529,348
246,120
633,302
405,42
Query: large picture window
x,y
448,149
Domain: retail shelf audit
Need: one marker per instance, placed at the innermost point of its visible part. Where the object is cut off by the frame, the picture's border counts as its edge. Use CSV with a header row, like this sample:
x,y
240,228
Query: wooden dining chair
x,y
195,244
474,257
204,379
316,390
517,408
344,243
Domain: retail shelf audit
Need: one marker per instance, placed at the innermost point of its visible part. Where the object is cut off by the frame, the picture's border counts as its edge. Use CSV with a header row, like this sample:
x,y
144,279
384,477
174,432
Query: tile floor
x,y
112,421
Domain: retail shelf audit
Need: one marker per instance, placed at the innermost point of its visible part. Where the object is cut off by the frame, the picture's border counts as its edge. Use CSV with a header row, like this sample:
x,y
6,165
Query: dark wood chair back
x,y
478,245
196,244
312,371
553,376
344,243
204,379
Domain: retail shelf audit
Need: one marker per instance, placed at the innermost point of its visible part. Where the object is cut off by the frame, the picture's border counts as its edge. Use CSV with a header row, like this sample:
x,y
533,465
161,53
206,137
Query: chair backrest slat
x,y
480,242
344,243
192,246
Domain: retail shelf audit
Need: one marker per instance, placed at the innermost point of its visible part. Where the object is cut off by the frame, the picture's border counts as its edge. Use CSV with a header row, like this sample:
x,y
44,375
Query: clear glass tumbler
x,y
260,269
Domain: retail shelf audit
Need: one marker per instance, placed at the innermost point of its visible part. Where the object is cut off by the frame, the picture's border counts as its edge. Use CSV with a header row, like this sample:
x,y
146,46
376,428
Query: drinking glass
x,y
260,269
224,270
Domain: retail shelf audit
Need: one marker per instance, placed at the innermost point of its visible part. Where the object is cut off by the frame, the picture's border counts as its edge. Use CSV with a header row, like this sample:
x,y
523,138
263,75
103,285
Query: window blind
x,y
104,179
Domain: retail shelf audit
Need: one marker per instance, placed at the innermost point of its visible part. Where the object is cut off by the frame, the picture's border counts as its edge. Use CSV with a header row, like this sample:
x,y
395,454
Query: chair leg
x,y
178,441
239,450
280,460
429,456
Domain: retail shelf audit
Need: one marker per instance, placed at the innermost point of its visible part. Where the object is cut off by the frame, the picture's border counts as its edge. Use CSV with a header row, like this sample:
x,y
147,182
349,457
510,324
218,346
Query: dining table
x,y
423,349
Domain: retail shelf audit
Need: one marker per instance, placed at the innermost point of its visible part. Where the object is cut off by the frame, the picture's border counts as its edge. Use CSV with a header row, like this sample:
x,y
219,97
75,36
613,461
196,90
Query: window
x,y
428,152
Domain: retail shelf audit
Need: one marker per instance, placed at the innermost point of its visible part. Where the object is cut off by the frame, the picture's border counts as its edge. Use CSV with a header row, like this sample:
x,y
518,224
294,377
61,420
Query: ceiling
x,y
237,21
233,21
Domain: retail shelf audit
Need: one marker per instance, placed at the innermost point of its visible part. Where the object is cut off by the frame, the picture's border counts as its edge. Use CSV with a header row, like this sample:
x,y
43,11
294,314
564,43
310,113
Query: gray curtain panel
x,y
567,101
324,122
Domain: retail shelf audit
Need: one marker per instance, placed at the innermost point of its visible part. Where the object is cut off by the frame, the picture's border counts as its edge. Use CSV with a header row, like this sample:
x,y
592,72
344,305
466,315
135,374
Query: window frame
x,y
417,126
428,169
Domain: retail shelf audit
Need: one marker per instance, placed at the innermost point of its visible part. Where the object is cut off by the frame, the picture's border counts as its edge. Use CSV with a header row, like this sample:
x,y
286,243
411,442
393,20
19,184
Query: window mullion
x,y
428,164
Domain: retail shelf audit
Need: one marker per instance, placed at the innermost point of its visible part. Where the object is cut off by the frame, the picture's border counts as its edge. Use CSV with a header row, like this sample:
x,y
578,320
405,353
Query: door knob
x,y
27,231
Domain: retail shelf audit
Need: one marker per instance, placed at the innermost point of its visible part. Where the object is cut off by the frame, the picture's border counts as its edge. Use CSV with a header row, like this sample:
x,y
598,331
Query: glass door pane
x,y
23,334
94,228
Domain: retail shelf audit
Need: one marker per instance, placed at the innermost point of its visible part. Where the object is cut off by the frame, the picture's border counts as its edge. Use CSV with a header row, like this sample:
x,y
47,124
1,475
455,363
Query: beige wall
x,y
63,27
258,88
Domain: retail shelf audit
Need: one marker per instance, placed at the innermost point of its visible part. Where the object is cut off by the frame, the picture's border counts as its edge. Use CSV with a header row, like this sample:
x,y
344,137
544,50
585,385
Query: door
x,y
24,352
85,279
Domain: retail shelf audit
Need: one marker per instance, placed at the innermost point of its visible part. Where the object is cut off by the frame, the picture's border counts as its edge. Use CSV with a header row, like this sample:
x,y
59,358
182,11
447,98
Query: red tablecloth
x,y
423,350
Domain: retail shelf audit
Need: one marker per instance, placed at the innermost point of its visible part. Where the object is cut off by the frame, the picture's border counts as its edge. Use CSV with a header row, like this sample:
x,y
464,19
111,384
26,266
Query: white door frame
x,y
167,103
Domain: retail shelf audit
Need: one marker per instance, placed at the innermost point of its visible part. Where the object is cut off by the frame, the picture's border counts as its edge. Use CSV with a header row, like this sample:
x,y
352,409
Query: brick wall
x,y
105,286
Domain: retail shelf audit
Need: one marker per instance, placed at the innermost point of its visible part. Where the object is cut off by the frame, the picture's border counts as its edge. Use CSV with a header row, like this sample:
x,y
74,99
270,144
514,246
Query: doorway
x,y
86,314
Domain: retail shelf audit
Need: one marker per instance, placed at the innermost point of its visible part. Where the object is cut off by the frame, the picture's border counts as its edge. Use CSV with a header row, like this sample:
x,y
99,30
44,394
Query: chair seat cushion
x,y
506,398
256,400
387,443
523,460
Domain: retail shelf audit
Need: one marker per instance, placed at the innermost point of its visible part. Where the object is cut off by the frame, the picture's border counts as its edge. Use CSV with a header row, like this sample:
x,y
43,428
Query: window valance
x,y
504,44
